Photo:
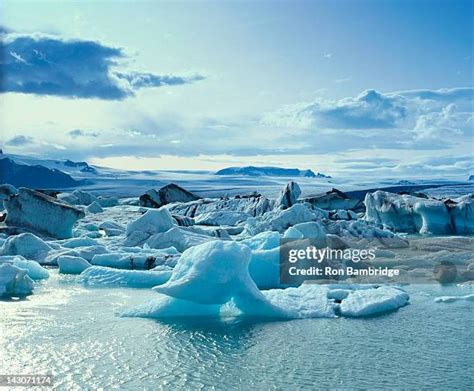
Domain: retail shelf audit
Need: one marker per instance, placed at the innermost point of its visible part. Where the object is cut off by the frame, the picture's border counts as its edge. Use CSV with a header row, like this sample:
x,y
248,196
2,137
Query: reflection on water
x,y
75,333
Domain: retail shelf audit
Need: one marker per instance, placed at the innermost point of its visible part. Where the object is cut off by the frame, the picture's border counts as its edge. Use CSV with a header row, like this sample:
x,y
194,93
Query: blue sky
x,y
344,87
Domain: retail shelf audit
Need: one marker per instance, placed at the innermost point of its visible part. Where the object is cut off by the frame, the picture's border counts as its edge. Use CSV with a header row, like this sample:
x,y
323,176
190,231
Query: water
x,y
74,332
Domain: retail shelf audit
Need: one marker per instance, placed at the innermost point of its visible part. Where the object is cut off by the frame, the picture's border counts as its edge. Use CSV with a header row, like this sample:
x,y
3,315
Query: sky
x,y
368,87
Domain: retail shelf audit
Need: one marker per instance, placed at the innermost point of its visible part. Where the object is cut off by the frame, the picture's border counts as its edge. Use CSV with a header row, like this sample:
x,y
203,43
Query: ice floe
x,y
14,282
98,275
72,265
41,213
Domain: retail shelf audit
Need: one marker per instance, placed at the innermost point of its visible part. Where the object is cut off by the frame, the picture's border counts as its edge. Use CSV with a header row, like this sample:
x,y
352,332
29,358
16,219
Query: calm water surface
x,y
75,333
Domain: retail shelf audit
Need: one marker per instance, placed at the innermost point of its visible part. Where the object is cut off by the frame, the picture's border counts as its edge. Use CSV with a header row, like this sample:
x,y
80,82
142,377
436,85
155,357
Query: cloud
x,y
45,65
19,141
75,133
369,110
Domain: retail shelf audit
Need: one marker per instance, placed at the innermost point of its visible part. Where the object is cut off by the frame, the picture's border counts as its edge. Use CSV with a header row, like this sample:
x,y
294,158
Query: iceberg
x,y
279,220
410,214
94,207
178,238
151,222
367,302
33,269
98,275
213,279
41,213
14,282
166,195
27,245
288,196
334,199
221,217
451,299
72,265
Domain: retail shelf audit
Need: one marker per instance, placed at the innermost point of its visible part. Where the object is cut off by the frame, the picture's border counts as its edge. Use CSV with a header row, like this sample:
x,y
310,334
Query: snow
x,y
98,275
14,282
34,270
451,299
41,213
72,265
373,301
27,245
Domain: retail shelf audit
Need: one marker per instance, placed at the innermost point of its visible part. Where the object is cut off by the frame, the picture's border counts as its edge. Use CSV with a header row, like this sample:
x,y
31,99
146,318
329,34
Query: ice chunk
x,y
405,213
166,195
27,245
178,238
253,205
451,299
83,197
79,242
373,301
34,270
221,217
112,228
41,213
214,273
263,241
280,220
214,276
6,190
99,275
152,222
14,282
72,265
288,196
107,202
143,261
335,199
264,268
463,214
94,207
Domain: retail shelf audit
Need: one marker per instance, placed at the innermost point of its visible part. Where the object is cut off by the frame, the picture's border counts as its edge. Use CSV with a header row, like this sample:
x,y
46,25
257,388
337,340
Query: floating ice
x,y
94,207
213,277
27,245
14,282
451,299
143,261
288,196
178,238
166,195
221,217
41,213
373,301
280,220
72,265
34,270
406,213
98,275
152,222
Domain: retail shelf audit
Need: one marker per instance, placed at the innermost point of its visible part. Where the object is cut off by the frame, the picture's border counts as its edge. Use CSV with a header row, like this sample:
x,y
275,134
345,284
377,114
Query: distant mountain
x,y
33,176
270,171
